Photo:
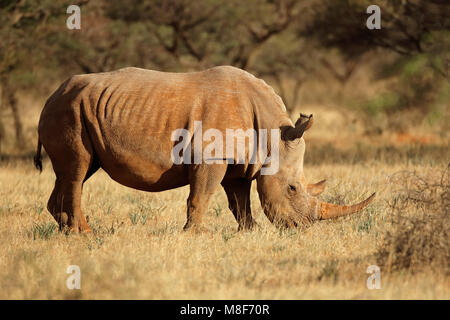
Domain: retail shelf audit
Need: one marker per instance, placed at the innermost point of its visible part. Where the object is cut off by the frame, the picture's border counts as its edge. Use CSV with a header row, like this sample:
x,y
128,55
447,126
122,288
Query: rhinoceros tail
x,y
37,157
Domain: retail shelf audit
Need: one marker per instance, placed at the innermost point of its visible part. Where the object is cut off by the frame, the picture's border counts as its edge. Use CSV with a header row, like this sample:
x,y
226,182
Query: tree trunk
x,y
12,100
2,136
296,92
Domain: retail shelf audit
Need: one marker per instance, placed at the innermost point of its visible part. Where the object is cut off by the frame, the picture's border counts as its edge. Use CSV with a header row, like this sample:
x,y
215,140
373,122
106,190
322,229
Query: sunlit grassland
x,y
138,249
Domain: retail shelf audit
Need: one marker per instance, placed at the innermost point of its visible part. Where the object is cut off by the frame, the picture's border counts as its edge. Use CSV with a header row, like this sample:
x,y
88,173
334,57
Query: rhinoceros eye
x,y
292,188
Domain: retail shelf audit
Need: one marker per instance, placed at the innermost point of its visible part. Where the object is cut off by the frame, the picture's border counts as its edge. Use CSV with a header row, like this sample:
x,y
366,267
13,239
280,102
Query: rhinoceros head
x,y
284,195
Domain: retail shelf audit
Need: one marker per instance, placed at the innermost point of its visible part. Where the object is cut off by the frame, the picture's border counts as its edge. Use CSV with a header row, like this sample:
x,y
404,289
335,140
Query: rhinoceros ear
x,y
301,125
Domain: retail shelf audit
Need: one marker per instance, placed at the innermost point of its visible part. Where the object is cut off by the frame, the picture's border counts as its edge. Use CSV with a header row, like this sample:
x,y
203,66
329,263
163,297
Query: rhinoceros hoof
x,y
196,229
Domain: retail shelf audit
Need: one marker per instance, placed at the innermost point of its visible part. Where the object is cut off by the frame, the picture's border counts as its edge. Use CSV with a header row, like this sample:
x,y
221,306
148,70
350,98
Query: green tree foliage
x,y
417,31
287,42
258,36
23,26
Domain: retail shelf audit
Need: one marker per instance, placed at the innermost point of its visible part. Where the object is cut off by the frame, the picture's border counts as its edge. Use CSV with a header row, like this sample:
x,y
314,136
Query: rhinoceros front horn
x,y
329,211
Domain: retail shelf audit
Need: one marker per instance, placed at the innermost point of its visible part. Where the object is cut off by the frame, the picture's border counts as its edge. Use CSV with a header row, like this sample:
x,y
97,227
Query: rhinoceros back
x,y
130,114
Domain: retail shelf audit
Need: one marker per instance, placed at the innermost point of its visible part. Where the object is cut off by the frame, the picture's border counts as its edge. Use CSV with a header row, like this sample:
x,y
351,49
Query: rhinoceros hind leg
x,y
238,194
204,180
73,162
64,205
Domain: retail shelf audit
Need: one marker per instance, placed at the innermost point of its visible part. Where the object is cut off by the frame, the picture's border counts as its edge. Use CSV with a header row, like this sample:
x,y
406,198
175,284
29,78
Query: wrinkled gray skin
x,y
122,122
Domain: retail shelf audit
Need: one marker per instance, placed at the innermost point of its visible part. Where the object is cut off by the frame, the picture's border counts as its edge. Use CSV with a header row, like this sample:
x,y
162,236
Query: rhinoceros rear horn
x,y
315,189
301,125
329,211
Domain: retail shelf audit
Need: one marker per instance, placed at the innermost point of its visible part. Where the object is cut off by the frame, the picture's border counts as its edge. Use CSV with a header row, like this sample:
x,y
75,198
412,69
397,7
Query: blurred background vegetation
x,y
313,52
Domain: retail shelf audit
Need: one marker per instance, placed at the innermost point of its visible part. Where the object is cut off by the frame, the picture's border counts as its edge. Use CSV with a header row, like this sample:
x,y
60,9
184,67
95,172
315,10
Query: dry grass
x,y
420,229
139,251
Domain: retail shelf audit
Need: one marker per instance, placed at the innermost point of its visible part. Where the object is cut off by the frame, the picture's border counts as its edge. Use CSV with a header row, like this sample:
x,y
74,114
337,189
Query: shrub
x,y
420,233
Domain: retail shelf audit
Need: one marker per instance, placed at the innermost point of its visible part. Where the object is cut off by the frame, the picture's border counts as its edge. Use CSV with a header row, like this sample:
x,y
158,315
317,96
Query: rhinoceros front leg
x,y
238,194
203,180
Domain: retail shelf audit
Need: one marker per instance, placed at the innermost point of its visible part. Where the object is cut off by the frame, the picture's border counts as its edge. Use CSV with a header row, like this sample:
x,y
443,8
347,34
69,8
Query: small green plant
x,y
144,218
366,223
218,210
43,230
160,231
278,248
145,212
99,229
39,209
330,271
288,232
134,217
226,235
96,244
108,209
132,199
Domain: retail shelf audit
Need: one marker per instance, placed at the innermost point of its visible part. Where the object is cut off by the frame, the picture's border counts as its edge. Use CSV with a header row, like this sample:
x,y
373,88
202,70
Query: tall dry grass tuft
x,y
420,233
